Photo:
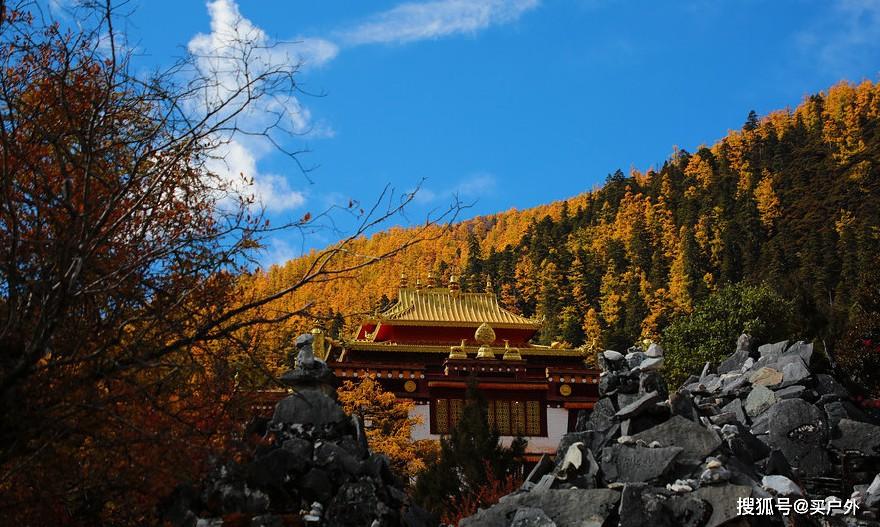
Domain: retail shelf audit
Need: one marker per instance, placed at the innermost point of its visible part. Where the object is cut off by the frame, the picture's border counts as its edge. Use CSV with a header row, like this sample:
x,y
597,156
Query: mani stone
x,y
802,349
760,399
696,440
654,351
580,507
858,436
626,463
799,430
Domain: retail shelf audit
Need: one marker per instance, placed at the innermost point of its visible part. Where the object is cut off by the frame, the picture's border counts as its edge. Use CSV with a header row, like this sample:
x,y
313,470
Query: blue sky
x,y
514,103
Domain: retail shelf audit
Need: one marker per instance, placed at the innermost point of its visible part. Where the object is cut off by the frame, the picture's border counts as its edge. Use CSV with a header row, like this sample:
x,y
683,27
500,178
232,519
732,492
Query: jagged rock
x,y
723,500
772,351
766,376
301,449
565,507
626,463
799,430
696,440
544,466
781,486
795,371
638,406
743,444
682,403
612,355
654,350
642,505
308,408
827,385
602,416
790,392
872,493
734,363
651,363
736,408
531,517
633,359
838,410
592,439
759,400
856,436
778,464
356,504
802,349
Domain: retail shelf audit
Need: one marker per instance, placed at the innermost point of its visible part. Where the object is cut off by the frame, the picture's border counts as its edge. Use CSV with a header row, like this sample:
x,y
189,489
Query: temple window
x,y
508,417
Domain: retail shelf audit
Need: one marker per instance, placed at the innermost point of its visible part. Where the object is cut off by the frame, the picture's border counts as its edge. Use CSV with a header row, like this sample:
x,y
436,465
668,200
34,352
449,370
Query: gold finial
x,y
485,352
319,348
454,286
511,353
418,283
432,279
458,352
404,280
489,288
484,334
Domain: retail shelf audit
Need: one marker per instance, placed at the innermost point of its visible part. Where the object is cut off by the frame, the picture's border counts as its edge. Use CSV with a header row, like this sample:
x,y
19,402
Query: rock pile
x,y
759,429
314,468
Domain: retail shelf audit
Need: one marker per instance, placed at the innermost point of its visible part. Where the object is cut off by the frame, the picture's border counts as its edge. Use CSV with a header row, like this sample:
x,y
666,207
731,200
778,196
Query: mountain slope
x,y
791,199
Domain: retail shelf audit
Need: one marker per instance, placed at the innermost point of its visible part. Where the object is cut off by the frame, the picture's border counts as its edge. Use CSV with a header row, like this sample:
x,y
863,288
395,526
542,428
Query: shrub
x,y
709,333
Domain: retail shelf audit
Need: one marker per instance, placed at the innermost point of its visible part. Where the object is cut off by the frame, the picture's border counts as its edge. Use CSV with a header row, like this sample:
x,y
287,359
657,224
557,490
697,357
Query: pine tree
x,y
470,458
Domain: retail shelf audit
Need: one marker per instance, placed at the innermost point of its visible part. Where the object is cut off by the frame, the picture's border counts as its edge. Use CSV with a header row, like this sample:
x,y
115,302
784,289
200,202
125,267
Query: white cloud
x,y
232,55
846,39
236,165
413,21
475,186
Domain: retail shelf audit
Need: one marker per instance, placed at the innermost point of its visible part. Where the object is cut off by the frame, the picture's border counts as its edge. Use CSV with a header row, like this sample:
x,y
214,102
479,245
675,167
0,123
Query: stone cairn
x,y
762,426
314,469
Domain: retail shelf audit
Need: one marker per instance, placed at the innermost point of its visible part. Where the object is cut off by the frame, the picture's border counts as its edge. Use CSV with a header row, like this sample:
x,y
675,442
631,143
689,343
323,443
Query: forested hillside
x,y
791,199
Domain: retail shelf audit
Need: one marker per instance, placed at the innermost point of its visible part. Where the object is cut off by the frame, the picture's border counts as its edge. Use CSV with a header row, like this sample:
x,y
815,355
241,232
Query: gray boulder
x,y
723,500
759,400
568,507
696,440
531,517
799,430
856,436
626,463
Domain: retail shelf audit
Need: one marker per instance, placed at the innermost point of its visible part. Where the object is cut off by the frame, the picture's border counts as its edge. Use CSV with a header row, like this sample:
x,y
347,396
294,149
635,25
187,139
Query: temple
x,y
432,340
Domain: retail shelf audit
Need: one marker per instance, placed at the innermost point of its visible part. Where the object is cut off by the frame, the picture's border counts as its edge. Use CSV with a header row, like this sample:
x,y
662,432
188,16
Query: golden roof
x,y
445,307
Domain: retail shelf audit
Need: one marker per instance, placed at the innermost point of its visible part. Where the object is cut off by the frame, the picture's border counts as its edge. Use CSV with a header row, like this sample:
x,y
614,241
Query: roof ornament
x,y
484,334
432,279
510,353
404,280
458,352
418,284
454,286
489,288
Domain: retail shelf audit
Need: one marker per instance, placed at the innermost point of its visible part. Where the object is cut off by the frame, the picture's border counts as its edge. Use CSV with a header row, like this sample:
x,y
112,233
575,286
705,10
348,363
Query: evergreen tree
x,y
470,459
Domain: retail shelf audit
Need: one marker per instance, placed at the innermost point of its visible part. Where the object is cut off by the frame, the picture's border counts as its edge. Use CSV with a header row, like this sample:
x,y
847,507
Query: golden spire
x,y
404,281
489,288
432,279
418,283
